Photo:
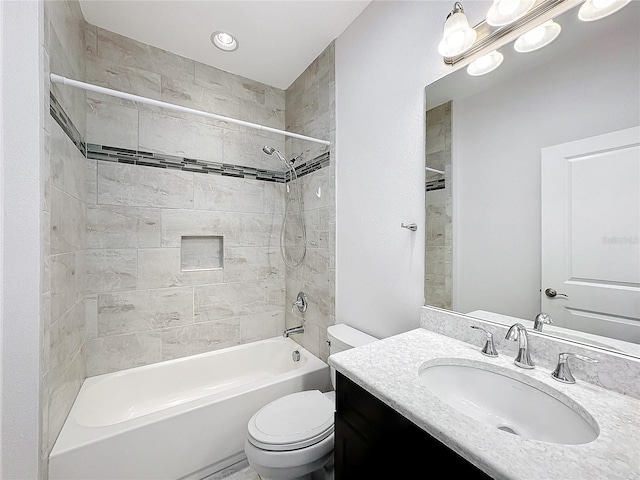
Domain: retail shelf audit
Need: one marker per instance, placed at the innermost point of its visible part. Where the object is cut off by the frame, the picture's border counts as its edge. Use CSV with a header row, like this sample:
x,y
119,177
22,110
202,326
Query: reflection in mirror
x,y
533,185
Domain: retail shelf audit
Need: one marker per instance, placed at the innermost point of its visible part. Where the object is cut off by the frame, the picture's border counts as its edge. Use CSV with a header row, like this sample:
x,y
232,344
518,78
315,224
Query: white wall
x,y
384,60
20,202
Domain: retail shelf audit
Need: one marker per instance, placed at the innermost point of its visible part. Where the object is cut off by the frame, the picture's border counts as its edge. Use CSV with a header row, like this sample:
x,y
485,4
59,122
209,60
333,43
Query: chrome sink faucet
x,y
541,319
518,332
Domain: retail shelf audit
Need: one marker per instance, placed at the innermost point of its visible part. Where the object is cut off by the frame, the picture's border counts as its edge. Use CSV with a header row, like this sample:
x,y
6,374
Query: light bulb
x,y
539,37
457,36
225,38
485,64
507,7
592,10
504,12
600,4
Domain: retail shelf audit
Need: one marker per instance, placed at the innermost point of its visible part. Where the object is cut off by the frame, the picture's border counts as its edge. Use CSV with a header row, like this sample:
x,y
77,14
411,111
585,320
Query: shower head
x,y
270,151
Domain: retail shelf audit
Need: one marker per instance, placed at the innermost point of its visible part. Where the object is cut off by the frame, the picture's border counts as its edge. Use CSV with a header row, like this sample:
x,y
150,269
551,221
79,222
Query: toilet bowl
x,y
292,437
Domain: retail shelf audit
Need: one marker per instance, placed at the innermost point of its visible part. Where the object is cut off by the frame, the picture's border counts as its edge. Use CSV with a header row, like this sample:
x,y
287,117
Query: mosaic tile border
x,y
159,160
435,184
62,119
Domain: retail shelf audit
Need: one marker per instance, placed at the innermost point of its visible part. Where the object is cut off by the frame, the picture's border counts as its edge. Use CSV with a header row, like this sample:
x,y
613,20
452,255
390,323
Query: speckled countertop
x,y
389,369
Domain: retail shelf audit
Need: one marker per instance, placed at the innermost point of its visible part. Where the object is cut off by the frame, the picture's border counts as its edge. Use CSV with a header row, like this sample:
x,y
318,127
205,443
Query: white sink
x,y
500,398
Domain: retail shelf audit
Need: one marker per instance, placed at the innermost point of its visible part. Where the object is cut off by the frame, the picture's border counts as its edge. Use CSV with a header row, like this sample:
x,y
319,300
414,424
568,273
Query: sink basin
x,y
500,398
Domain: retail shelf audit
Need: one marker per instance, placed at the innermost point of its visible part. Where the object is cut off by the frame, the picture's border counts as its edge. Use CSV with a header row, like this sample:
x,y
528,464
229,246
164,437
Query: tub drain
x,y
507,429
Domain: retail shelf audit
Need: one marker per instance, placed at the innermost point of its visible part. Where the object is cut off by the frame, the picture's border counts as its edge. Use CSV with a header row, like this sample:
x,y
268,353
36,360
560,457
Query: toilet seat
x,y
292,422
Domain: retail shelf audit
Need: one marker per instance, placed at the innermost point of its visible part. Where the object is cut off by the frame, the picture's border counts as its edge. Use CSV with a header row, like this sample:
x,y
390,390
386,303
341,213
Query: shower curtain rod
x,y
136,98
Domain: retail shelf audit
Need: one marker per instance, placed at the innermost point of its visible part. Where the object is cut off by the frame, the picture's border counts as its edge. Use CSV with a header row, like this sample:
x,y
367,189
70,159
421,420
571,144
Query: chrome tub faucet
x,y
292,331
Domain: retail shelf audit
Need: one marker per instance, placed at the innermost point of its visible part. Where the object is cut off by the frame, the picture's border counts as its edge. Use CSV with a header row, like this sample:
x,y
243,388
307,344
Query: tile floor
x,y
242,471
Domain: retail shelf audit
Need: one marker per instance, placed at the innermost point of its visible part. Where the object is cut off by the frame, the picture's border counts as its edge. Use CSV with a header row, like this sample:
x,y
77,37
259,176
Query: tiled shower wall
x,y
115,293
63,221
310,110
142,307
439,205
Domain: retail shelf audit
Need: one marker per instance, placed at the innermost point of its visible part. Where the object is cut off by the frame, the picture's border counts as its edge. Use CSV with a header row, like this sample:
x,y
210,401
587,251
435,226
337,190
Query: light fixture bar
x,y
486,37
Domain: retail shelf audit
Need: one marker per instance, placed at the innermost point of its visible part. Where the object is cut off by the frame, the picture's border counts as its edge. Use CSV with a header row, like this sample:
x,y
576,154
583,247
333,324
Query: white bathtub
x,y
179,419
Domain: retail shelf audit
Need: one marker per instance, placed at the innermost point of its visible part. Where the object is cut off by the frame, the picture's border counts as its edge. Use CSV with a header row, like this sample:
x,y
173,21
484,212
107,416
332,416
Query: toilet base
x,y
310,463
318,471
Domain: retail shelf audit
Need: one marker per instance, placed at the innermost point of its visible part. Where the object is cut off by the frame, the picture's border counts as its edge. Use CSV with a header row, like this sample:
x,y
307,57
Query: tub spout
x,y
292,331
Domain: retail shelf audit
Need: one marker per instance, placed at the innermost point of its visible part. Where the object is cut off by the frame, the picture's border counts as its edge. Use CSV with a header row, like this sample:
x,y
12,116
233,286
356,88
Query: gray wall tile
x,y
122,227
142,310
65,290
180,137
247,264
160,267
67,222
215,192
118,352
261,326
91,175
111,124
133,185
238,229
110,270
217,302
199,338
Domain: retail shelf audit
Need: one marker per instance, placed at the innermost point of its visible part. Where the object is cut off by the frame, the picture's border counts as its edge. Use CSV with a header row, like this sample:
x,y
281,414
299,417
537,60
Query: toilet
x,y
292,437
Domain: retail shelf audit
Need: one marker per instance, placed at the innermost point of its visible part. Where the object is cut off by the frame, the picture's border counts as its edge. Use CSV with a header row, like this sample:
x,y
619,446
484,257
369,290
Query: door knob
x,y
551,293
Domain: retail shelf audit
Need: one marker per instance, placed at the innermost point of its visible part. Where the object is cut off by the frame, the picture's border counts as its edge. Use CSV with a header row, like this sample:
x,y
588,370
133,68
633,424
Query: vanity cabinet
x,y
373,441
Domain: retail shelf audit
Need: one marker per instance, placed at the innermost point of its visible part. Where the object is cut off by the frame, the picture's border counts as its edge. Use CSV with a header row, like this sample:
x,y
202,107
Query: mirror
x,y
490,142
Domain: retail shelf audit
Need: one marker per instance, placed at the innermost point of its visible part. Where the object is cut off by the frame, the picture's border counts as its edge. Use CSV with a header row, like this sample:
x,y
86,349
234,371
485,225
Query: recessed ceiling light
x,y
224,41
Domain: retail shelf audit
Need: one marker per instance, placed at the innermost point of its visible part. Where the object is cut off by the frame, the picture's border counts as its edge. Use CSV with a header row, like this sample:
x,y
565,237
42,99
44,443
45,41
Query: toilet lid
x,y
293,421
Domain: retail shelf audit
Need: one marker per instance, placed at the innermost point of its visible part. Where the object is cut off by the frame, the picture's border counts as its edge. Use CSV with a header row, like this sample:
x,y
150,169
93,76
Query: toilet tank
x,y
343,337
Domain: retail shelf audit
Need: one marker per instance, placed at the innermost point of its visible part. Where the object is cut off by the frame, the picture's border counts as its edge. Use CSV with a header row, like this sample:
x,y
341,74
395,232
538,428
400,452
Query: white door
x,y
591,234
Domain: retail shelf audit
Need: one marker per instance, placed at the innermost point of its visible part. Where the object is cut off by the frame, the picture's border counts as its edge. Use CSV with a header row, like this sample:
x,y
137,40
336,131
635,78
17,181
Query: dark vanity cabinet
x,y
373,441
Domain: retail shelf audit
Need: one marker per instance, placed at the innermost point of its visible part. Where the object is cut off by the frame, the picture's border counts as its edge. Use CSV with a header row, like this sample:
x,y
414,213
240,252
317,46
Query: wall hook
x,y
411,226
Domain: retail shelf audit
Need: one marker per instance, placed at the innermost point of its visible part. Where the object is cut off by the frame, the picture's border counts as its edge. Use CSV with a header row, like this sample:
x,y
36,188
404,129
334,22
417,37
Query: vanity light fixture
x,y
596,9
538,37
485,64
504,12
458,36
224,41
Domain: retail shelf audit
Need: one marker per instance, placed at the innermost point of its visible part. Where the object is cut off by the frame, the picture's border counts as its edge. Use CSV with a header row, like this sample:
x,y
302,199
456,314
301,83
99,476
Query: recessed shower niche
x,y
201,253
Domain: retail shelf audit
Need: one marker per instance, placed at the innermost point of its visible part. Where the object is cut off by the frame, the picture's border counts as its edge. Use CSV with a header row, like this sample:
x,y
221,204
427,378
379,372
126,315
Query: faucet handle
x,y
489,348
301,302
562,373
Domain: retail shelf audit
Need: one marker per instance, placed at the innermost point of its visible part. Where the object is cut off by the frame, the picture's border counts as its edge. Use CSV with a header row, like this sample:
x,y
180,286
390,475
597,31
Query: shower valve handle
x,y
301,303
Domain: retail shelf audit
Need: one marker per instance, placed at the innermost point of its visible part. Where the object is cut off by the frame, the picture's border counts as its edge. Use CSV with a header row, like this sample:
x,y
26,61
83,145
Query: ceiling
x,y
277,39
